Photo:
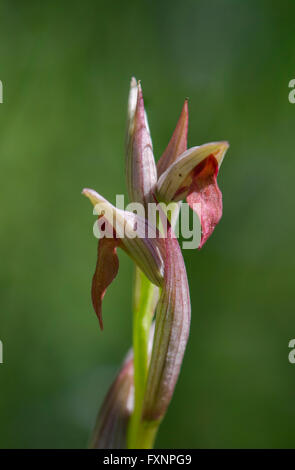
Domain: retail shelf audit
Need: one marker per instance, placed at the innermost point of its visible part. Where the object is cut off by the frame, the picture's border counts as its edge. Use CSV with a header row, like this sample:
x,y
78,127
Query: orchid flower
x,y
142,391
127,231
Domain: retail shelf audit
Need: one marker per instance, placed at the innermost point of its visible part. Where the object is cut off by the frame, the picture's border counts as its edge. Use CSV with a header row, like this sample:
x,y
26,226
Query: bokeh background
x,y
65,68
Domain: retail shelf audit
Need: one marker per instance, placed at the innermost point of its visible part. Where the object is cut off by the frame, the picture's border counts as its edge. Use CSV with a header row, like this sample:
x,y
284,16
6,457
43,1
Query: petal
x,y
177,144
174,183
171,333
106,270
204,196
141,171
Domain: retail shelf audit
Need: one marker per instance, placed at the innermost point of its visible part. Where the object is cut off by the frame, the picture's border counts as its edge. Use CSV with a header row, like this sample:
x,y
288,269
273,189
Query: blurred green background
x,y
65,69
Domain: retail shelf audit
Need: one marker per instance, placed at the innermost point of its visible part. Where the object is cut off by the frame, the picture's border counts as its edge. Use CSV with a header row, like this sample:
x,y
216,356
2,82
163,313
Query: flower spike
x,y
140,395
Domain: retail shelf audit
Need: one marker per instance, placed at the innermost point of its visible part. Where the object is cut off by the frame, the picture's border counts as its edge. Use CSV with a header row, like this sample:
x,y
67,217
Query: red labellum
x,y
204,196
106,270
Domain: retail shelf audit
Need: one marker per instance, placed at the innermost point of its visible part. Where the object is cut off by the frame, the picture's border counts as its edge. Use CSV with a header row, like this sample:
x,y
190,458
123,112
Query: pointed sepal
x,y
177,144
141,171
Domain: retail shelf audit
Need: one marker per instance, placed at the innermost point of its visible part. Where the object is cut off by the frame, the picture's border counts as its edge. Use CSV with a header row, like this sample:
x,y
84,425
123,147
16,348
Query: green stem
x,y
146,434
140,435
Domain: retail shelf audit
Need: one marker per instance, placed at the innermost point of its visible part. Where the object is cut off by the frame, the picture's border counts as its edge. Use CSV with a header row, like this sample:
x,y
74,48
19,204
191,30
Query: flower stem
x,y
146,435
140,435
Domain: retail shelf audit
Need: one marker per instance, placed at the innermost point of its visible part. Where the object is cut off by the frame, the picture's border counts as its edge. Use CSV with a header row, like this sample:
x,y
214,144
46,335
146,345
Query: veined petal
x,y
141,171
171,333
174,183
177,144
139,239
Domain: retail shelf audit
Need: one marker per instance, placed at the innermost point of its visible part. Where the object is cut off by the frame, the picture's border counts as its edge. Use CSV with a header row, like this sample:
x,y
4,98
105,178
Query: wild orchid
x,y
141,393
